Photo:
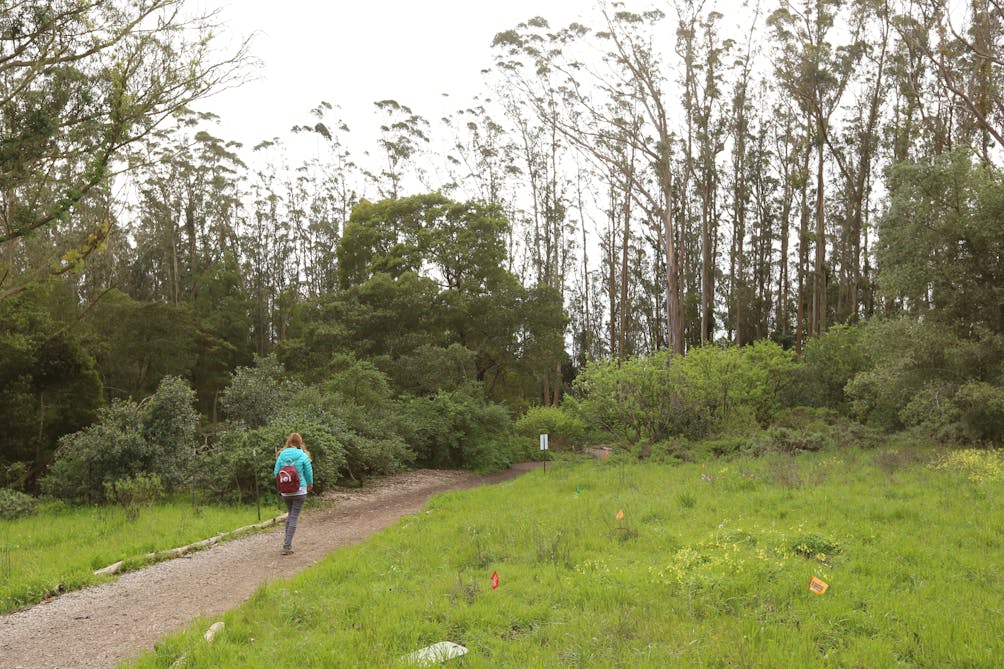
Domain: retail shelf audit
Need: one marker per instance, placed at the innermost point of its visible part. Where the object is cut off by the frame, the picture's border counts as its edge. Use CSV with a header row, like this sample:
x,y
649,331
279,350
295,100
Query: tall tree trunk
x,y
803,250
674,306
625,273
818,323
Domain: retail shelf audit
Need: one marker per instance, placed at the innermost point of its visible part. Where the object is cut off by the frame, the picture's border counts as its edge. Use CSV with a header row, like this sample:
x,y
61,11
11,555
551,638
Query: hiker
x,y
294,476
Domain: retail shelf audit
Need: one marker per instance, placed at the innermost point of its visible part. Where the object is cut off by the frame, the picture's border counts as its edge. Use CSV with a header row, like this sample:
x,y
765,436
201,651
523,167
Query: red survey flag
x,y
495,580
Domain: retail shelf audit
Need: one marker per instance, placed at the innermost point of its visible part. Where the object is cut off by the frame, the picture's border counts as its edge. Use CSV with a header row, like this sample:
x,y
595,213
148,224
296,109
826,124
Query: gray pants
x,y
294,504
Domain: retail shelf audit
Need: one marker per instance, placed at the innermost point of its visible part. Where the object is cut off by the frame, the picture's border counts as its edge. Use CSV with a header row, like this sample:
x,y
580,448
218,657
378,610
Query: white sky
x,y
353,53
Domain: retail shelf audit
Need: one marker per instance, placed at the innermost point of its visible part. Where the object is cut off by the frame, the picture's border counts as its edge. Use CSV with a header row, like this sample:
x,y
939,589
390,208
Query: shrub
x,y
241,461
155,437
564,430
724,446
170,422
800,416
981,411
710,390
15,504
916,368
111,449
830,361
14,474
790,442
461,429
256,395
134,492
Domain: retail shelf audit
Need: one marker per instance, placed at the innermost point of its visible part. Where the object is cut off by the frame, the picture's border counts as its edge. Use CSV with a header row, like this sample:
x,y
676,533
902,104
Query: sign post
x,y
543,447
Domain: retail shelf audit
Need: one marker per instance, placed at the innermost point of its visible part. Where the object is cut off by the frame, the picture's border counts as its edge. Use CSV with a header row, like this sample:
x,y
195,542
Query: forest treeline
x,y
663,195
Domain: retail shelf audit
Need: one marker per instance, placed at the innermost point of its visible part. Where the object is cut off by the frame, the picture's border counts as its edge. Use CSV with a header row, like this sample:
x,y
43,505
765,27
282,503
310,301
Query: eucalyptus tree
x,y
403,133
619,116
857,150
791,153
815,73
484,155
187,184
964,47
703,50
79,83
741,137
642,82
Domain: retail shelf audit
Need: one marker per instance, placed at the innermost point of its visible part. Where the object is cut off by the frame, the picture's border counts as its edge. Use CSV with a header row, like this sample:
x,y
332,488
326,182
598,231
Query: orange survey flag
x,y
620,514
817,586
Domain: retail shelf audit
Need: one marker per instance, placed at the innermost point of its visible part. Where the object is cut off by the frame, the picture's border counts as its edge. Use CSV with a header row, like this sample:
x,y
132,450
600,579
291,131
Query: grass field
x,y
708,565
59,550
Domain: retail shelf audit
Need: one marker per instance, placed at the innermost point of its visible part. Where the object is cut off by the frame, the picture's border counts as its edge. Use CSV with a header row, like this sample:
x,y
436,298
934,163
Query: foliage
x,y
16,504
257,394
939,243
428,369
224,343
49,384
916,368
239,465
425,273
791,442
170,424
709,390
564,430
981,411
136,344
360,397
155,437
460,429
829,362
89,81
134,492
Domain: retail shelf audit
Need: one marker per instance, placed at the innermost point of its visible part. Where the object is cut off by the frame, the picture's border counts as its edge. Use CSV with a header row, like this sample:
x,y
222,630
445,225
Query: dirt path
x,y
111,623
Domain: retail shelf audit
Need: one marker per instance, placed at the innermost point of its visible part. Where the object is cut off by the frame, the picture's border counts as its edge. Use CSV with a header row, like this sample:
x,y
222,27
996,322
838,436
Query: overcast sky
x,y
357,52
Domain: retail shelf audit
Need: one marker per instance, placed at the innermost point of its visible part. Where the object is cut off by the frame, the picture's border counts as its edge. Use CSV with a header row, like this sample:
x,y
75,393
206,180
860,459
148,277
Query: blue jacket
x,y
296,457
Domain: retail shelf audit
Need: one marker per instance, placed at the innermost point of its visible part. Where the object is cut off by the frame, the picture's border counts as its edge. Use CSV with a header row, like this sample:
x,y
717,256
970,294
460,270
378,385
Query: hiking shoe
x,y
287,551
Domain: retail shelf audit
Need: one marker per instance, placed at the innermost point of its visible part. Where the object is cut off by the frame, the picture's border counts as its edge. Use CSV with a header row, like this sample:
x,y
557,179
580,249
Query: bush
x,y
256,395
242,460
155,437
134,492
170,423
830,361
461,429
916,368
710,390
15,504
790,442
109,450
981,411
799,417
564,430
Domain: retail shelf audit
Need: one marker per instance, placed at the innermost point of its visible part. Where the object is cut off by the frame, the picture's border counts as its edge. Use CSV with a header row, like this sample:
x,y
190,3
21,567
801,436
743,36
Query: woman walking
x,y
295,476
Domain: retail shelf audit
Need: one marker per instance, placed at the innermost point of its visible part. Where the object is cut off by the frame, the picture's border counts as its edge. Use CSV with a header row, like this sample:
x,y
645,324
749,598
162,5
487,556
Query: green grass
x,y
709,567
59,550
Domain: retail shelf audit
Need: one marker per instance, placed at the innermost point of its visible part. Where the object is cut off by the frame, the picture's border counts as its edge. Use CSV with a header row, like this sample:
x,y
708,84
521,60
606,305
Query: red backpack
x,y
288,480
